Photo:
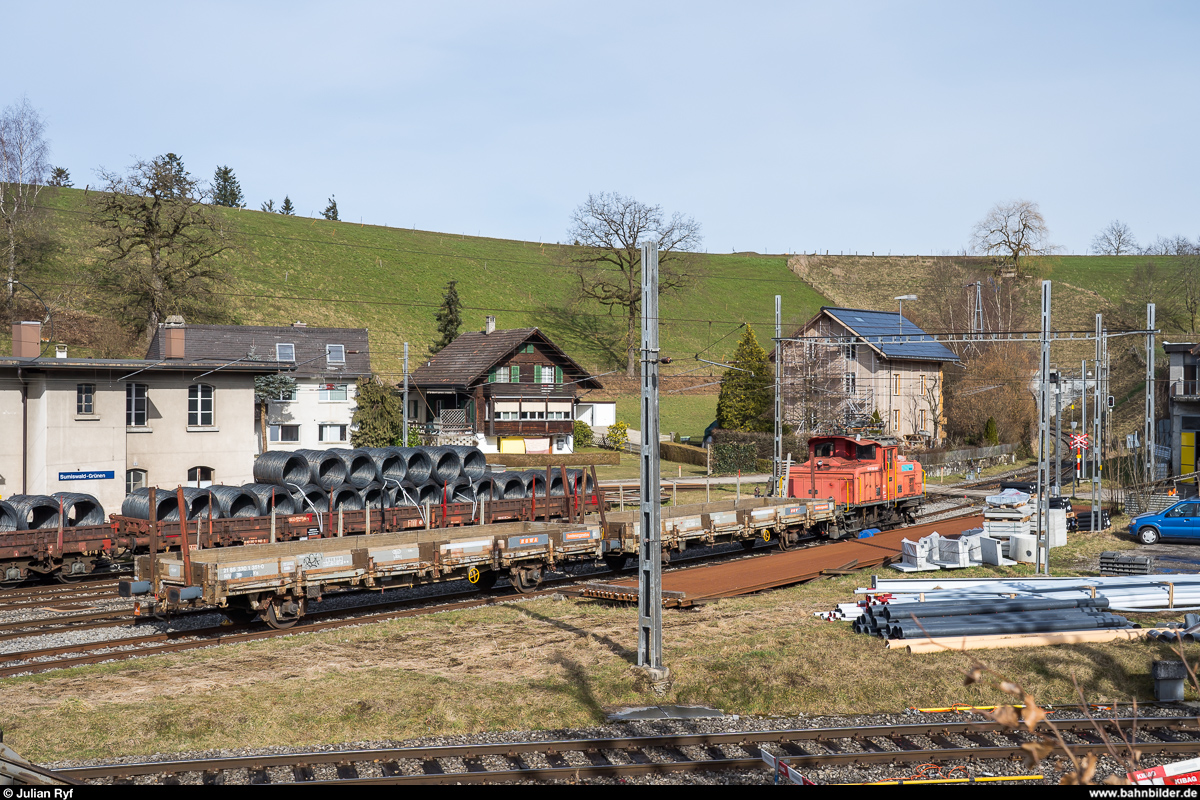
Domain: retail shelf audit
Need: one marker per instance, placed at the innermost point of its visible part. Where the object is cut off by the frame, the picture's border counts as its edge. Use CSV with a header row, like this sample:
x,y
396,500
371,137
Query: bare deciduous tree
x,y
1188,276
1013,231
23,152
159,241
609,229
1115,240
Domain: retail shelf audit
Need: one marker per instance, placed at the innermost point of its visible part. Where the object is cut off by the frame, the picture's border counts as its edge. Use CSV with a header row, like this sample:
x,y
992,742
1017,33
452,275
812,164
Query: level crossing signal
x,y
1079,441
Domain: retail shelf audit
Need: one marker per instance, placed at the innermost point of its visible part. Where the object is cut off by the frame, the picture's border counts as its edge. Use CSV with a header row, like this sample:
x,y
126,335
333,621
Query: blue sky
x,y
781,127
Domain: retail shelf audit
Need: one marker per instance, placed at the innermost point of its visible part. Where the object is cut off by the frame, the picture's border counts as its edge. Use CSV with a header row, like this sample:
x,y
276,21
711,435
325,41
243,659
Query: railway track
x,y
579,759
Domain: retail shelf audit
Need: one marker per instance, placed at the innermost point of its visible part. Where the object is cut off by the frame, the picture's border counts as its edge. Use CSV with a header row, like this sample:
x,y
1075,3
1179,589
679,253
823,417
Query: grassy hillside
x,y
391,280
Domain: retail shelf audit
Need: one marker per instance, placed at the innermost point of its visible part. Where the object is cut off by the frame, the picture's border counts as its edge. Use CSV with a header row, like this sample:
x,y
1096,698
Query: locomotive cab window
x,y
865,452
824,450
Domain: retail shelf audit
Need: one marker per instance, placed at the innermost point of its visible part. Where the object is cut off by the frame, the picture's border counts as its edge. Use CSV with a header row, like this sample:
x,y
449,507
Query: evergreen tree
x,y
268,206
330,211
59,176
173,178
287,209
449,318
991,434
226,189
746,400
378,417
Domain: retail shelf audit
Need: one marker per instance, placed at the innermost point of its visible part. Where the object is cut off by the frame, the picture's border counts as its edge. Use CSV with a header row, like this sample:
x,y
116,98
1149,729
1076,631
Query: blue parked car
x,y
1180,521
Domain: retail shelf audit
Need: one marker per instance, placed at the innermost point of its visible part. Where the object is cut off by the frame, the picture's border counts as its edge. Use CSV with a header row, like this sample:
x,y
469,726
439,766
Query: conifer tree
x,y
268,207
745,401
377,418
287,209
60,176
174,177
330,211
226,189
449,318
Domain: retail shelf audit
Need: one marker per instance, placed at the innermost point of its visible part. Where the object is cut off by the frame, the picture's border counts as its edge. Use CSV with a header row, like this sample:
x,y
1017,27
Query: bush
x,y
764,443
583,434
730,458
617,436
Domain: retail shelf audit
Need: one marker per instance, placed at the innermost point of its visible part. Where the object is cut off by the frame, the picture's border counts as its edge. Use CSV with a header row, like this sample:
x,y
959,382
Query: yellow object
x,y
473,575
991,779
766,536
1187,453
512,444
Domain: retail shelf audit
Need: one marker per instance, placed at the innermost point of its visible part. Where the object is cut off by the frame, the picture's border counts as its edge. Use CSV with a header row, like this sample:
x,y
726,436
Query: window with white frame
x,y
285,352
136,404
332,433
135,479
200,477
850,383
335,353
896,384
333,393
85,399
200,405
850,352
285,433
287,395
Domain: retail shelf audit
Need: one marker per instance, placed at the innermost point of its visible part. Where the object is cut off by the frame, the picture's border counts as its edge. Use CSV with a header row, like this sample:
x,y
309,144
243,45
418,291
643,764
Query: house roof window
x,y
335,353
285,352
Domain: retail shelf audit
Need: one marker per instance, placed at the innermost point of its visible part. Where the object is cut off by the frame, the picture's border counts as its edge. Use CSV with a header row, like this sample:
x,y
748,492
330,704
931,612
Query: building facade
x,y
504,391
1183,401
325,363
852,368
107,426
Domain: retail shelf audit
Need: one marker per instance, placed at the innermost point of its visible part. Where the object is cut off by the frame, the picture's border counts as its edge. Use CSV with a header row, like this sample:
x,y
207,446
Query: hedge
x,y
734,457
764,443
683,453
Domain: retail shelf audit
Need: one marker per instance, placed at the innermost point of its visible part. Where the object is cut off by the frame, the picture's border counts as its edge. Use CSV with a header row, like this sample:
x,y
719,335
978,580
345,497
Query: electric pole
x,y
404,439
650,655
777,466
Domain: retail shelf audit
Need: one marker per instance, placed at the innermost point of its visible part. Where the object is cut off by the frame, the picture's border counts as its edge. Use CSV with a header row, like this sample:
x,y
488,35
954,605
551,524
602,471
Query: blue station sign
x,y
87,476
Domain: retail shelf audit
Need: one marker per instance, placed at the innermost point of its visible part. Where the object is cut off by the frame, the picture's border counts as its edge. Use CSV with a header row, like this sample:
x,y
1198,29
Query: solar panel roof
x,y
883,329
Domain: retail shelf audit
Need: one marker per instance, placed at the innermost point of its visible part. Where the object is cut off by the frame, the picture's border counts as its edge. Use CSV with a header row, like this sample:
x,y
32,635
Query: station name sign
x,y
87,476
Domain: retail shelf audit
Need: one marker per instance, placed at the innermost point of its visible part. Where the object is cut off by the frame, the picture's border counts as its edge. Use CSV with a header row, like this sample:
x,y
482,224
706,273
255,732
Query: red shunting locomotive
x,y
871,484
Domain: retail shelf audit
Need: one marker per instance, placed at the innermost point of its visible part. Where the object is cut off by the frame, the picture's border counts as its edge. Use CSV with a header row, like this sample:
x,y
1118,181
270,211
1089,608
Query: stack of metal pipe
x,y
982,618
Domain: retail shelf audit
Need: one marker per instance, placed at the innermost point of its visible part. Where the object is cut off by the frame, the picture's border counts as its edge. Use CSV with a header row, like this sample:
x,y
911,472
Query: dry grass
x,y
541,664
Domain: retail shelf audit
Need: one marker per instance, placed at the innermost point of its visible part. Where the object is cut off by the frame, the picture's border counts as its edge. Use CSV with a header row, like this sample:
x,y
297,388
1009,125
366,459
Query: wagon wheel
x,y
748,544
68,578
785,542
279,620
615,562
240,615
526,580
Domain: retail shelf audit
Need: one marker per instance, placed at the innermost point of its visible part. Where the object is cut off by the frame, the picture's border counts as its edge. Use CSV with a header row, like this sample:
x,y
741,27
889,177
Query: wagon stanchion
x,y
153,538
183,536
599,492
562,473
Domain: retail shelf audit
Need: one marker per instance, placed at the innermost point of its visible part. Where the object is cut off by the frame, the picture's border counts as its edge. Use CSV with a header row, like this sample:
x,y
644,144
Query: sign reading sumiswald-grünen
x,y
87,476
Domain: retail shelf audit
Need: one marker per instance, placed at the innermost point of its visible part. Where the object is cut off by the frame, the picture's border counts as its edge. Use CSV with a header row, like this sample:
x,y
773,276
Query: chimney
x,y
27,339
173,337
489,324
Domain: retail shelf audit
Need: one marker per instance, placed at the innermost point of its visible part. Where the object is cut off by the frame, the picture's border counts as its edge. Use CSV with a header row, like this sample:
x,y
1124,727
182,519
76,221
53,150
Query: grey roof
x,y
882,329
121,364
231,342
469,357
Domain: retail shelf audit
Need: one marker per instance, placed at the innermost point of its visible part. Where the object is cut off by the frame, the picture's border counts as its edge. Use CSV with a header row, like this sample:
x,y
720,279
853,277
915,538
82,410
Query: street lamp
x,y
902,298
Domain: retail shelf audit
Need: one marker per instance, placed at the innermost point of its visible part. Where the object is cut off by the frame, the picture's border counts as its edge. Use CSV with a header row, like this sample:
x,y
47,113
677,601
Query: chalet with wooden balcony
x,y
504,391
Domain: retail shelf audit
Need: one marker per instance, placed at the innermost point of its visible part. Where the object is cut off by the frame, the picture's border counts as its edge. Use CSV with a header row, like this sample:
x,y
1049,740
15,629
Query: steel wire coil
x,y
389,461
234,501
556,485
311,497
346,497
419,465
8,517
460,491
535,482
361,469
485,488
428,492
200,504
266,495
581,481
81,509
35,511
474,462
406,495
447,464
509,486
281,467
375,496
137,505
325,468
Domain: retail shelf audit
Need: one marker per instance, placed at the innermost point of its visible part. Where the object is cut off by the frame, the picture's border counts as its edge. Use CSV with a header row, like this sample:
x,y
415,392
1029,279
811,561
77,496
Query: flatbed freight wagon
x,y
276,581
